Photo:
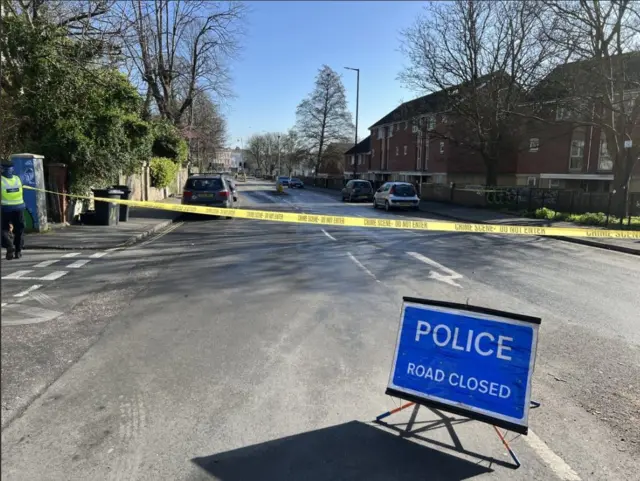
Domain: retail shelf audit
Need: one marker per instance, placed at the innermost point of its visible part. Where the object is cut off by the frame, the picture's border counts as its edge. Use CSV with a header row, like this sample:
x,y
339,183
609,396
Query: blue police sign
x,y
468,360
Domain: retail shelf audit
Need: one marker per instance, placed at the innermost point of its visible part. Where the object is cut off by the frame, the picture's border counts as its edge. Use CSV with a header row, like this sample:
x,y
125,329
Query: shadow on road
x,y
350,451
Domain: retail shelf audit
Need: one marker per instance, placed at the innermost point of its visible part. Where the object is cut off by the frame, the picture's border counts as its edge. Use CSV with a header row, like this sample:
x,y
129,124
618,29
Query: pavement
x,y
239,350
483,216
141,224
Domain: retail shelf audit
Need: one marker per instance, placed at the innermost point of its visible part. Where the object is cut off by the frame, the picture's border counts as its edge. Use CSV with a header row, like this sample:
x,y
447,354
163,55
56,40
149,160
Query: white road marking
x,y
16,275
362,266
328,235
43,299
71,254
451,276
36,315
54,275
98,255
21,276
46,263
4,304
78,264
27,291
555,462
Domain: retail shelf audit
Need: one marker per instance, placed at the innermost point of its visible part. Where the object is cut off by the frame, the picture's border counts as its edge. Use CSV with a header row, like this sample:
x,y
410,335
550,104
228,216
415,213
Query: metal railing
x,y
530,199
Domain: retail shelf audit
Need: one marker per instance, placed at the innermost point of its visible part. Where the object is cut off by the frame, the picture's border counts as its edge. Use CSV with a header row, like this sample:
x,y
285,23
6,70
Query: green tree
x,y
70,108
162,171
168,142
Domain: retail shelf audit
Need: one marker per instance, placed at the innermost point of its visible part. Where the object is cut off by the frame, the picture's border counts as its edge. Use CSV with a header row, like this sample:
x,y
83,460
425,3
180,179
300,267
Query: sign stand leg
x,y
509,450
533,405
393,411
407,431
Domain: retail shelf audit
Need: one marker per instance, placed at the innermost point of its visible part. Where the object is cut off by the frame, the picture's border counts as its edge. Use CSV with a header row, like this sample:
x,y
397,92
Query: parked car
x,y
208,190
396,195
357,190
296,183
284,180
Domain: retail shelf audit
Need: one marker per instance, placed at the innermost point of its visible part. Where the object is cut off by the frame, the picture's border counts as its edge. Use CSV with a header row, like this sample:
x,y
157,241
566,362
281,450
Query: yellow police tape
x,y
335,220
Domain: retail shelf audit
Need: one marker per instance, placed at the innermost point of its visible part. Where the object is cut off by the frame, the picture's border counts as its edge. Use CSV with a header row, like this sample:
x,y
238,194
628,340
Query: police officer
x,y
12,212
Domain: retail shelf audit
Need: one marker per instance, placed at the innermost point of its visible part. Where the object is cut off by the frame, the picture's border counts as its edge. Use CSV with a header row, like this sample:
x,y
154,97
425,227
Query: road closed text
x,y
482,386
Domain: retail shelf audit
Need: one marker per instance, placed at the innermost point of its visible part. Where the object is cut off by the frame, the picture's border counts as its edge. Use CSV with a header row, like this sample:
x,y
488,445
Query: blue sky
x,y
287,42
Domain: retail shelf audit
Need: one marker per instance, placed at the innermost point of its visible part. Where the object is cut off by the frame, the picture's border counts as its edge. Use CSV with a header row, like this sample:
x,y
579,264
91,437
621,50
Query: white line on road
x,y
98,255
27,291
451,276
16,275
36,315
21,276
53,276
555,462
328,235
46,263
362,266
78,264
71,254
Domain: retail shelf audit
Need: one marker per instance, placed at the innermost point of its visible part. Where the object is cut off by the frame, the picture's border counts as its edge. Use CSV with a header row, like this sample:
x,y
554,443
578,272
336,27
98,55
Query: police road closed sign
x,y
468,360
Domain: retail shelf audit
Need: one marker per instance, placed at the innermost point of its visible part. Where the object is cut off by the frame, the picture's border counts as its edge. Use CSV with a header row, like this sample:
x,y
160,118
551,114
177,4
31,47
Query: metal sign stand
x,y
416,407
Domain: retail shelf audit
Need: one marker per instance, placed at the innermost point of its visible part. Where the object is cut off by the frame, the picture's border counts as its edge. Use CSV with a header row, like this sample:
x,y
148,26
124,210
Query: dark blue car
x,y
296,183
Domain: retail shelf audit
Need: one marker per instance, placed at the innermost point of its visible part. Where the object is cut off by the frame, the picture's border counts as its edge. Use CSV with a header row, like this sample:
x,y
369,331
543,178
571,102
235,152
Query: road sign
x,y
628,144
467,360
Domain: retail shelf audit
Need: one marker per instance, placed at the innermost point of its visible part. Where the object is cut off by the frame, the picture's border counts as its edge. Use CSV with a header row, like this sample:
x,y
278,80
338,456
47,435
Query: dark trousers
x,y
13,243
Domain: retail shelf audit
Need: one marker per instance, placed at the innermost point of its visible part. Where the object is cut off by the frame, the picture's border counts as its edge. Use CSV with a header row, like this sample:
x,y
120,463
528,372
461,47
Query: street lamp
x,y
279,173
355,147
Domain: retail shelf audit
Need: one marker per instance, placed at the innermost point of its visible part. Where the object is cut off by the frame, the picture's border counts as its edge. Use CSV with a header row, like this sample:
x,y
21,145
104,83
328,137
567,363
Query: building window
x,y
554,183
577,154
397,151
406,125
431,122
380,133
373,153
534,144
405,150
604,160
390,131
531,181
442,147
352,160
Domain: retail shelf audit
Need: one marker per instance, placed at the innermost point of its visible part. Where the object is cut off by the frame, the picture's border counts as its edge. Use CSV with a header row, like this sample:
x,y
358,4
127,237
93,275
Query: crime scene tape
x,y
347,221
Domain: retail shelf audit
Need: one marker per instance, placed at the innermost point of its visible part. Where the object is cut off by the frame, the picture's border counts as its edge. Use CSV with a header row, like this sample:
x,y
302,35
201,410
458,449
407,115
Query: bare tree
x,y
181,47
323,118
258,151
482,58
207,130
601,87
293,151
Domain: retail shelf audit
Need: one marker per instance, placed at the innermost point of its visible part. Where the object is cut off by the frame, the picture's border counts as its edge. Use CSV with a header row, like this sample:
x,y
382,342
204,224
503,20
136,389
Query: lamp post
x,y
279,173
355,147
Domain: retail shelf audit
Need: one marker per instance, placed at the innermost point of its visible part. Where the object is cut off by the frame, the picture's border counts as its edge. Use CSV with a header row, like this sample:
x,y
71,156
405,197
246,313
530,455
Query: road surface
x,y
241,350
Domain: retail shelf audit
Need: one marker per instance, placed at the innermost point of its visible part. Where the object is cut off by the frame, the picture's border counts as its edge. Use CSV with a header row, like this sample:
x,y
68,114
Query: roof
x,y
427,103
433,102
583,75
363,147
340,147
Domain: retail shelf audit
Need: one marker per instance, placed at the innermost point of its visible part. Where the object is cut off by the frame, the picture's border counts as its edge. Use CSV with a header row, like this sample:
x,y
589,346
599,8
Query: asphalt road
x,y
241,350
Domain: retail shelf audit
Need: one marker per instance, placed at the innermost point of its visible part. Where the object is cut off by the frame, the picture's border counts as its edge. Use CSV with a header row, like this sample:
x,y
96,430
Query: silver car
x,y
396,195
